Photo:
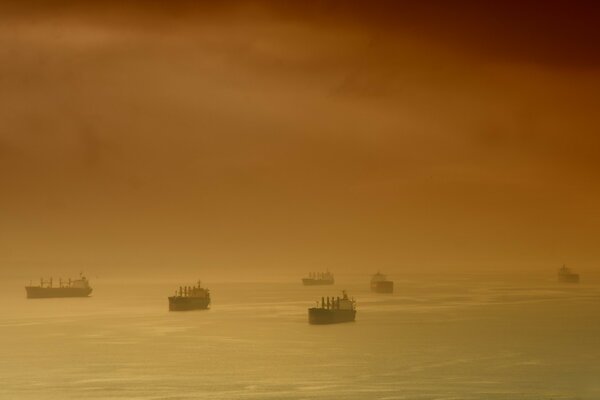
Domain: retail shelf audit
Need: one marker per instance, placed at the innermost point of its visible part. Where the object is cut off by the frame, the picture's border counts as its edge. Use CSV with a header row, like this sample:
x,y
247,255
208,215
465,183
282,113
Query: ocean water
x,y
434,338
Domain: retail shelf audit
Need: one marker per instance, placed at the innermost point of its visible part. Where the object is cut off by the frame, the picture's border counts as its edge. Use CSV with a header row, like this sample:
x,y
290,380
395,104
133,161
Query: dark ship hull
x,y
322,316
36,292
382,287
188,303
315,282
568,278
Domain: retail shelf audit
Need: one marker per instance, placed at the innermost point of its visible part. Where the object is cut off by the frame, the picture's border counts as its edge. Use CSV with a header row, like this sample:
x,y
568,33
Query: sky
x,y
251,139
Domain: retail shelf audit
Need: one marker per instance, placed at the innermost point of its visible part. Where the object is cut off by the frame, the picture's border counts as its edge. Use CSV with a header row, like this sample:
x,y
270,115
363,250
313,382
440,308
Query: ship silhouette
x,y
333,310
380,284
189,298
566,275
66,288
318,278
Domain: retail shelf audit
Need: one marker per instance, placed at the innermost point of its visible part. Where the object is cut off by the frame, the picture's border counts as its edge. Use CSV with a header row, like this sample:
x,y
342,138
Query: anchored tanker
x,y
318,278
566,275
333,311
380,284
190,298
68,288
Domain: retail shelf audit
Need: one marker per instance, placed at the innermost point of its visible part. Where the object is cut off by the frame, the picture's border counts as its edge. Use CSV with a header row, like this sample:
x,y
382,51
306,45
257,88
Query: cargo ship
x,y
333,310
189,298
318,278
66,288
565,275
380,284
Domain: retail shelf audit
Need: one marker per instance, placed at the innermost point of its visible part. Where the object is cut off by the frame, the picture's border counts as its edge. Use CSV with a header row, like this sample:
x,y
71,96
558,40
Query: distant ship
x,y
190,298
333,311
380,284
318,278
69,288
567,276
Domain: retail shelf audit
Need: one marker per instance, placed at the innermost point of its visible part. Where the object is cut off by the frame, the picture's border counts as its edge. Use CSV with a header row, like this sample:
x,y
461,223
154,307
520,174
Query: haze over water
x,y
436,337
151,143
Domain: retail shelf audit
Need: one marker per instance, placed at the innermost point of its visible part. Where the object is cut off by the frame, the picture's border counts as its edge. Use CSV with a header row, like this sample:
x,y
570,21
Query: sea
x,y
436,337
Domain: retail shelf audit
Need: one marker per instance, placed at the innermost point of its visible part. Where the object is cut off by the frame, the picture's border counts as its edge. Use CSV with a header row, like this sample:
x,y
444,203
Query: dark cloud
x,y
555,32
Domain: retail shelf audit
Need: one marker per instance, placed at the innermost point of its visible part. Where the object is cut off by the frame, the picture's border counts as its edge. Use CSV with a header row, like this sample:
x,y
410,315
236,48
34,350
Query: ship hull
x,y
317,282
570,278
188,303
323,316
36,292
382,287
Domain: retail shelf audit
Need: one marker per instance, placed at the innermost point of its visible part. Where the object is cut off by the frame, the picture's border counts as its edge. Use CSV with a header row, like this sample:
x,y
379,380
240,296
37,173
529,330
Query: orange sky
x,y
256,137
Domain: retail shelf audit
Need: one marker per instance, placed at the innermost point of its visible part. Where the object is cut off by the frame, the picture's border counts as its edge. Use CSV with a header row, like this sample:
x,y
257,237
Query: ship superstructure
x,y
66,288
566,275
380,284
318,278
333,310
189,298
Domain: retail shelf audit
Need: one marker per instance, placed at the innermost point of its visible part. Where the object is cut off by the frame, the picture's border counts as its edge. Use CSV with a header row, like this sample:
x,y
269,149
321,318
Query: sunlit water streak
x,y
432,339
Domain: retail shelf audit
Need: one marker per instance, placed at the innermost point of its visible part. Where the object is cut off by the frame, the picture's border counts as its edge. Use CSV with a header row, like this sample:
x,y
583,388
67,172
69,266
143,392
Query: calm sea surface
x,y
450,338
